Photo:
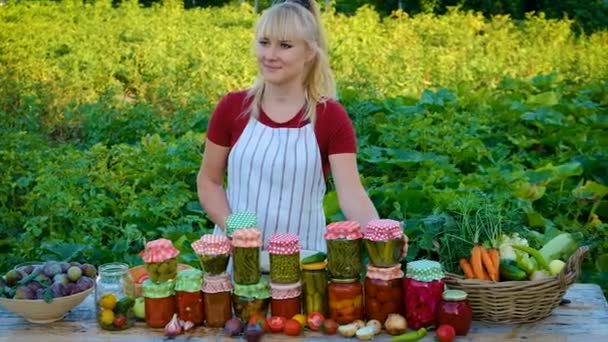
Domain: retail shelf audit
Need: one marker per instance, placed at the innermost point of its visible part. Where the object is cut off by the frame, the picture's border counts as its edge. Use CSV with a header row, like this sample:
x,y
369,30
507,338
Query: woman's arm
x,y
210,183
354,201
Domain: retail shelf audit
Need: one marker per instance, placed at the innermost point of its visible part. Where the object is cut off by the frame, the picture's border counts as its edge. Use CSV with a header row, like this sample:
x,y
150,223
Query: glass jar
x,y
160,258
383,292
213,252
114,297
343,241
217,300
456,311
345,300
314,288
249,300
285,300
384,241
423,289
246,254
284,254
188,295
159,301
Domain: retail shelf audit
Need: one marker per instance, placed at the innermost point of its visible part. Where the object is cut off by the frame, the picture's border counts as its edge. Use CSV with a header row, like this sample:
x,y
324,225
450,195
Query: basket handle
x,y
569,274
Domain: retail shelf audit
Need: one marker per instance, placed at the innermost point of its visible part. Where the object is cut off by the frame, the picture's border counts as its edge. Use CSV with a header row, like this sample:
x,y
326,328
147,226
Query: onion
x,y
395,324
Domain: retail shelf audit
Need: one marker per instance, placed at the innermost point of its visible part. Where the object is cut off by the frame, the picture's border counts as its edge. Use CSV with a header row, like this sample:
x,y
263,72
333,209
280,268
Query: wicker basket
x,y
517,301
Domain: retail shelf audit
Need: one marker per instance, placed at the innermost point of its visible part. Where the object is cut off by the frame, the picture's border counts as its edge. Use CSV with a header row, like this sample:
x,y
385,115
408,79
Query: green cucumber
x,y
509,271
317,257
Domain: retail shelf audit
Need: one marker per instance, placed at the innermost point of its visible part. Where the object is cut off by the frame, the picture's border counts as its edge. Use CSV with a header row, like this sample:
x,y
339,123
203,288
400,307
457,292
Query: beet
x,y
233,327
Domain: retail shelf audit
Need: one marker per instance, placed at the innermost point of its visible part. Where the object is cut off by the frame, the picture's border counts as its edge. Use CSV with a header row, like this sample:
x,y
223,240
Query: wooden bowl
x,y
139,274
39,311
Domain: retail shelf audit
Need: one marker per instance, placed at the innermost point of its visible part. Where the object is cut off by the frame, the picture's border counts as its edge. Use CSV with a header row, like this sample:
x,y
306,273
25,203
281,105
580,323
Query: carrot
x,y
487,262
466,268
495,256
476,263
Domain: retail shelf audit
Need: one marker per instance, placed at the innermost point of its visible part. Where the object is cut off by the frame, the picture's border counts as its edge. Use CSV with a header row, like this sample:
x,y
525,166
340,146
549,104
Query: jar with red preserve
x,y
159,302
345,300
217,299
423,288
285,299
456,311
189,296
383,292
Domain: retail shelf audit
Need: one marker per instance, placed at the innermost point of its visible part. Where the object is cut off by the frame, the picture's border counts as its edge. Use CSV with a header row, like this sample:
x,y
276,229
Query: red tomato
x,y
329,326
446,333
314,320
119,321
260,320
292,327
276,323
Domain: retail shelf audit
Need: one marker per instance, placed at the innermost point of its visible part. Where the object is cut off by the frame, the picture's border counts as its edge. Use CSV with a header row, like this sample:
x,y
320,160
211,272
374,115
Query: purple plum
x,y
85,283
40,293
34,285
59,289
89,270
72,288
61,278
64,266
51,268
24,292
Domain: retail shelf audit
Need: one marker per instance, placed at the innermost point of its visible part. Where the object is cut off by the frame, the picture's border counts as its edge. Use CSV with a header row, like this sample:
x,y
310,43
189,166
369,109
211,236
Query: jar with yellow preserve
x,y
240,220
159,301
246,245
314,288
160,258
344,250
213,252
114,297
189,296
249,300
217,297
345,300
384,240
284,255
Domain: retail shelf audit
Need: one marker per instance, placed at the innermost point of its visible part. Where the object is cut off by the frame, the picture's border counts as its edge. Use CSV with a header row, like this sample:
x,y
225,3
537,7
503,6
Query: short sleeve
x,y
219,128
342,138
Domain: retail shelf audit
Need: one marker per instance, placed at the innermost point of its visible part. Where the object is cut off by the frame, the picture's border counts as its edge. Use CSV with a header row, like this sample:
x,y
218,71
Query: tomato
x,y
446,333
119,321
329,326
292,327
314,321
260,320
276,323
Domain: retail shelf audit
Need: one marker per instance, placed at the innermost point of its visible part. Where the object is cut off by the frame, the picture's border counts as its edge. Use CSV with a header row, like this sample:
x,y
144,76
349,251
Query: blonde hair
x,y
287,21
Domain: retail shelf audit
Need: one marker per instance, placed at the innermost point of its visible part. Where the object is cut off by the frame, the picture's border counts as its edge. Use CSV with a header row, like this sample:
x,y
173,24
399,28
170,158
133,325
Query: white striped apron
x,y
276,173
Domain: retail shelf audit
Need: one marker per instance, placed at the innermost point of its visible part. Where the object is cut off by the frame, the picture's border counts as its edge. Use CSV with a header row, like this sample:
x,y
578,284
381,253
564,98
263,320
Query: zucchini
x,y
509,271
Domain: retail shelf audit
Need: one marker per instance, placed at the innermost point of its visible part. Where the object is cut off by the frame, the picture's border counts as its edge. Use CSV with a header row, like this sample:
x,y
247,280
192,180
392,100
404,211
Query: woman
x,y
278,140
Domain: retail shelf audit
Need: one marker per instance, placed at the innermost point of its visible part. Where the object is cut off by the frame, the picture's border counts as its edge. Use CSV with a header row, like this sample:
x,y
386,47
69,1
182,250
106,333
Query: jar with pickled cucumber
x,y
345,300
240,220
284,254
188,295
114,297
213,252
160,258
384,240
314,288
249,300
159,301
246,245
217,299
285,299
383,292
343,241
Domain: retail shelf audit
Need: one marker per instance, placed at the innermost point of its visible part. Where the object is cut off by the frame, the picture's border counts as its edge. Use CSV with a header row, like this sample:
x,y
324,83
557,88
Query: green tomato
x,y
139,309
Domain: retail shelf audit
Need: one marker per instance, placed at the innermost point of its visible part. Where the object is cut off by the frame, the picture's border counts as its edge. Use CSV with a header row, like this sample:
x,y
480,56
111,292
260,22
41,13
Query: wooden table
x,y
584,319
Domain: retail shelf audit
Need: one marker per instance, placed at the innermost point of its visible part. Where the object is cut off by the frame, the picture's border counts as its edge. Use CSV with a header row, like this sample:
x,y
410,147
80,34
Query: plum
x,y
34,285
74,273
72,288
24,292
59,289
40,293
51,268
233,327
12,277
85,283
75,263
89,270
27,269
61,278
64,266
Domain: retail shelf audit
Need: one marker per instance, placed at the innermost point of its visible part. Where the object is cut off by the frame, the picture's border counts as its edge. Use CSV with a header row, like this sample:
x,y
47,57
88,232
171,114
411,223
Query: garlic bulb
x,y
173,328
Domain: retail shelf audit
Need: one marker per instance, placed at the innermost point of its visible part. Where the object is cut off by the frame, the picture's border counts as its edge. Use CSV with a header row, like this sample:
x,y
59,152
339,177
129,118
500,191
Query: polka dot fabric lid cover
x,y
240,220
349,230
424,270
383,230
210,244
159,251
284,243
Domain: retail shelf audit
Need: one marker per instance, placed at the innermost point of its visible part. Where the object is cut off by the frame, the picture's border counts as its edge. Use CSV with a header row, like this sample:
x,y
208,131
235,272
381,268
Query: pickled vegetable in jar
x,y
246,245
384,241
383,292
314,288
159,301
285,300
213,252
345,300
456,311
343,241
423,289
189,296
160,258
114,297
284,254
249,300
217,299
240,220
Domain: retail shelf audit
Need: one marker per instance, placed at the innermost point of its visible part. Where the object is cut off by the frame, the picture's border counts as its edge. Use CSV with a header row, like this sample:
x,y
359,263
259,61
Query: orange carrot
x,y
487,262
466,268
495,256
476,263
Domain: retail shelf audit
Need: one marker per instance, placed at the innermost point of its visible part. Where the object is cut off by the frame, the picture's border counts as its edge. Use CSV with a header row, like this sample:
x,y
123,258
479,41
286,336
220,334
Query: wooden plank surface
x,y
584,319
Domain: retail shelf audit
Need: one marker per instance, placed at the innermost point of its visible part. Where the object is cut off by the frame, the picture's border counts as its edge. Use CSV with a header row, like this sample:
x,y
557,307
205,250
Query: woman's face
x,y
283,61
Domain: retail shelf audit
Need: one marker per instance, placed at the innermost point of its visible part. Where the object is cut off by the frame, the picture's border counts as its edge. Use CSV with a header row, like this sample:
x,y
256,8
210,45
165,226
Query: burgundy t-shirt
x,y
333,128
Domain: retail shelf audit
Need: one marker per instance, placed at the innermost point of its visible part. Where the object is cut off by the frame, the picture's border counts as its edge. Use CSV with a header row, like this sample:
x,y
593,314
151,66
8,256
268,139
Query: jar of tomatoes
x,y
284,255
217,299
314,288
246,255
249,300
345,300
343,250
285,299
159,301
383,292
114,297
456,311
189,296
213,252
423,289
384,239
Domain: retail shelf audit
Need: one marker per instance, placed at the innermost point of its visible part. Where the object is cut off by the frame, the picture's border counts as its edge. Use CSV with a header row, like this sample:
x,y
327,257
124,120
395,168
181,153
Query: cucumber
x,y
510,271
317,257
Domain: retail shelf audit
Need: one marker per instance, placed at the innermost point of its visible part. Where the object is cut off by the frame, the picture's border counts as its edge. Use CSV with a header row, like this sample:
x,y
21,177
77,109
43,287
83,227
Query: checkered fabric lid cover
x,y
211,244
240,220
158,251
350,230
383,230
216,284
284,243
388,273
285,291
